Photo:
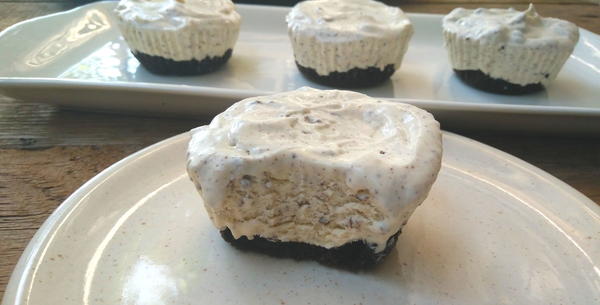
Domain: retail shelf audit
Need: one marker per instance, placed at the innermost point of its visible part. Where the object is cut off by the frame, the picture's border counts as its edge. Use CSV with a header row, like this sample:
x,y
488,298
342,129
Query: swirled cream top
x,y
346,20
176,14
511,26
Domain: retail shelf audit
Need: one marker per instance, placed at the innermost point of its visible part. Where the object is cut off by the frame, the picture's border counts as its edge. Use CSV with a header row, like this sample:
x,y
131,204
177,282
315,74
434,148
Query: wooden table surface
x,y
46,153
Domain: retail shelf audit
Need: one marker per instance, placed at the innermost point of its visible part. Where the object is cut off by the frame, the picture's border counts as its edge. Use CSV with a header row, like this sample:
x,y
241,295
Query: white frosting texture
x,y
336,36
179,29
520,47
315,166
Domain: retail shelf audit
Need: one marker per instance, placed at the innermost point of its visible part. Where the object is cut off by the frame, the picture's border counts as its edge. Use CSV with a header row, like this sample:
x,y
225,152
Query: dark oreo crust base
x,y
353,78
165,66
480,80
352,256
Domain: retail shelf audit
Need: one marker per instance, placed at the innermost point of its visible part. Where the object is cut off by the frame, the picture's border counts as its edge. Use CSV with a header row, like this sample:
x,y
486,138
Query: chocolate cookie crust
x,y
482,81
354,256
353,78
165,66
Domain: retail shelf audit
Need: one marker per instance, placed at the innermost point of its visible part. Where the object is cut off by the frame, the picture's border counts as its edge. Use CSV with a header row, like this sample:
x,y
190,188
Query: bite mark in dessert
x,y
507,51
353,43
333,174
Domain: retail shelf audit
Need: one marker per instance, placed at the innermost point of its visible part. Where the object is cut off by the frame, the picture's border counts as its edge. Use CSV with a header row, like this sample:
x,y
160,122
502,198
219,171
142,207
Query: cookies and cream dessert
x,y
179,36
320,174
348,43
505,50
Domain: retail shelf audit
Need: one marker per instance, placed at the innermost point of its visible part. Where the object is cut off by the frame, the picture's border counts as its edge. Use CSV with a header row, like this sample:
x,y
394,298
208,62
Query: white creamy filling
x,y
519,47
179,29
321,167
336,36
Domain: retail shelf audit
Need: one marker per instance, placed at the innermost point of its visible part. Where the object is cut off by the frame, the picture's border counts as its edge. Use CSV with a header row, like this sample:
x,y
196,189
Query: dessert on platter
x,y
507,51
348,44
326,175
179,37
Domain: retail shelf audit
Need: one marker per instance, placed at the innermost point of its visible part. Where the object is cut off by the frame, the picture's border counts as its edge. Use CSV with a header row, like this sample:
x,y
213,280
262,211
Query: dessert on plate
x,y
179,37
326,175
507,51
348,43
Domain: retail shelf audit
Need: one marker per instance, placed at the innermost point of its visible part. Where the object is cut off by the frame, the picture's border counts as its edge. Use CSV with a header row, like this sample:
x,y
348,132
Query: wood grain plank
x,y
34,182
11,13
574,160
34,126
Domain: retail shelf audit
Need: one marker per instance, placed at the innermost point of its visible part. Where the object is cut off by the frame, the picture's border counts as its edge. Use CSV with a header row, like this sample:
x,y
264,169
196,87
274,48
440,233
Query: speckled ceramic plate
x,y
494,230
80,60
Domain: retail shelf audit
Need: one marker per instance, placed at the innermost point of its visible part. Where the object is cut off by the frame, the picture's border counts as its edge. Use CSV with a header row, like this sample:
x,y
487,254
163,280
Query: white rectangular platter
x,y
78,59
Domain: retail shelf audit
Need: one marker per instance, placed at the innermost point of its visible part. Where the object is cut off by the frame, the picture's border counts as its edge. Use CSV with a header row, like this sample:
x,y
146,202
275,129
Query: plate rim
x,y
7,84
20,276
